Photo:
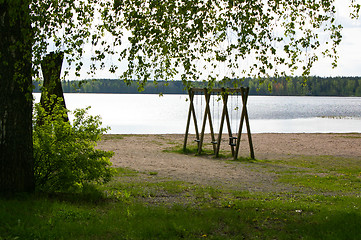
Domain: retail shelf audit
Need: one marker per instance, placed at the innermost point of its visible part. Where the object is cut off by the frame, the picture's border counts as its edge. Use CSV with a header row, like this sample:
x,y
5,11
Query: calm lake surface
x,y
150,113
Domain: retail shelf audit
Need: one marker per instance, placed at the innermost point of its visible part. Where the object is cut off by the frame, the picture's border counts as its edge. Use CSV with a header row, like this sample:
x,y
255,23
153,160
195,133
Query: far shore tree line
x,y
315,86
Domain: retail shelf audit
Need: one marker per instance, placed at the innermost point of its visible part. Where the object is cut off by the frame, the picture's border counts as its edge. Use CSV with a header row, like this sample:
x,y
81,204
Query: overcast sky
x,y
349,63
349,51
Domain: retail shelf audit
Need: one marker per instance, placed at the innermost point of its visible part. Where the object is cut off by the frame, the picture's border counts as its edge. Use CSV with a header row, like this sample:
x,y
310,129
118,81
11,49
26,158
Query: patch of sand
x,y
145,153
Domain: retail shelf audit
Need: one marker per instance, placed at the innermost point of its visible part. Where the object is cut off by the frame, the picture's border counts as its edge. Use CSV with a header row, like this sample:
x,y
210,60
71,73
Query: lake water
x,y
149,113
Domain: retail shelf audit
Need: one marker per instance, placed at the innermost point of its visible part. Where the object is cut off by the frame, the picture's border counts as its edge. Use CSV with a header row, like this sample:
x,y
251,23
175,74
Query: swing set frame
x,y
224,92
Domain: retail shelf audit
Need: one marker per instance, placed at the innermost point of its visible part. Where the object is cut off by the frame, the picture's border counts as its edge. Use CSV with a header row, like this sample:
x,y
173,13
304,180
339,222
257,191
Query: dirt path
x,y
145,153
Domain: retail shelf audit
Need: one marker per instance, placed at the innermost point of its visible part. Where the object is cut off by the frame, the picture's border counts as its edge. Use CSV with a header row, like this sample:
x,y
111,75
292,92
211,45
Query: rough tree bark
x,y
16,147
51,68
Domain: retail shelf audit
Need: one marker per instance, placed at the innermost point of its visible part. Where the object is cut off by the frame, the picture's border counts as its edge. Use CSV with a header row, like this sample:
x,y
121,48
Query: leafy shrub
x,y
64,152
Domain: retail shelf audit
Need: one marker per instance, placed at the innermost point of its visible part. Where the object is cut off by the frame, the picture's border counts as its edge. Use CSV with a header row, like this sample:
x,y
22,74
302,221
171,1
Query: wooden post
x,y
191,94
207,97
208,110
244,115
191,112
239,130
244,100
224,112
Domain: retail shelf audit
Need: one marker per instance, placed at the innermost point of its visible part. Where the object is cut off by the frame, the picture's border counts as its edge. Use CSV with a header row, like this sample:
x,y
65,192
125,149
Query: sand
x,y
150,154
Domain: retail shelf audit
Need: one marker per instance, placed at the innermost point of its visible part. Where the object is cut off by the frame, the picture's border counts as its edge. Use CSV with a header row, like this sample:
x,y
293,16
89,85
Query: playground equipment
x,y
234,141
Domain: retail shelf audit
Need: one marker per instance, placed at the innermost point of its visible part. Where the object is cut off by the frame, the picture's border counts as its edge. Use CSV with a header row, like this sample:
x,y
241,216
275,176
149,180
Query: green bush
x,y
64,152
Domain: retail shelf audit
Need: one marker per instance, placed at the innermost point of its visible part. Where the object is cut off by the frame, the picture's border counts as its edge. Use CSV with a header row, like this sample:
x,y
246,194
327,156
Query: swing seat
x,y
231,141
214,142
197,140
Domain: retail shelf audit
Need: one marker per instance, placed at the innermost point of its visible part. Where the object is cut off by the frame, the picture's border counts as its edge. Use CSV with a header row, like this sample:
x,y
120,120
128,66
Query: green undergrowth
x,y
325,204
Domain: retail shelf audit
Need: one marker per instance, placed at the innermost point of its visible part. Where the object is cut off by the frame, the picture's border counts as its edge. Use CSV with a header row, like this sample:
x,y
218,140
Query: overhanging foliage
x,y
242,37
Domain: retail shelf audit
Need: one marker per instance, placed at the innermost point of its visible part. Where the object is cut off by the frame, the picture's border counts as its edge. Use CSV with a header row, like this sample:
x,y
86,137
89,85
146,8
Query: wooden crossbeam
x,y
217,90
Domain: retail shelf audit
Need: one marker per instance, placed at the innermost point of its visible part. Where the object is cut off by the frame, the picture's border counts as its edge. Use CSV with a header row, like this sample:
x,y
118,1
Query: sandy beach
x,y
150,154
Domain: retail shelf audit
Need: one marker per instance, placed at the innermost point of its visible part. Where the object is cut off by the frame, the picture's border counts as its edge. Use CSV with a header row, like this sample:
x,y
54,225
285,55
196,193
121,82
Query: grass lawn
x,y
323,203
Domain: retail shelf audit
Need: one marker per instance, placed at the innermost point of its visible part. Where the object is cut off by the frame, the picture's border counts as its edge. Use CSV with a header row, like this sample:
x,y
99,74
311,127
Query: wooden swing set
x,y
234,142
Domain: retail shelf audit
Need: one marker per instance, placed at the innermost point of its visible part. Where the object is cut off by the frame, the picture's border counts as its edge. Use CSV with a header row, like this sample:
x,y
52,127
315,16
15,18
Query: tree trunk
x,y
16,145
51,67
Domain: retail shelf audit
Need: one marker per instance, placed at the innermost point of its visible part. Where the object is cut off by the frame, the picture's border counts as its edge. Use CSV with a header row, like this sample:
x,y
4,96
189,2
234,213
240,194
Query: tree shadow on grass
x,y
333,225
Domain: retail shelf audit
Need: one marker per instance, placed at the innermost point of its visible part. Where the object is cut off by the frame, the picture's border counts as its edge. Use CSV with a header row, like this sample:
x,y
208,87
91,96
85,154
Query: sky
x,y
349,62
349,51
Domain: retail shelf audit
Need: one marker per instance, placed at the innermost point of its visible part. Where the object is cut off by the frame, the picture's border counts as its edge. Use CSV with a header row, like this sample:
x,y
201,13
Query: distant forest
x,y
315,86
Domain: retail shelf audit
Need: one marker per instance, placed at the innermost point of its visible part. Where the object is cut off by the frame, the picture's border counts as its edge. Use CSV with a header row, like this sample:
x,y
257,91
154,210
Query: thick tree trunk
x,y
16,148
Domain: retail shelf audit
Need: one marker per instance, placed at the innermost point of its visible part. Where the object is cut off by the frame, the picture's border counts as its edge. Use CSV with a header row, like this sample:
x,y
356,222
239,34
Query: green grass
x,y
207,150
351,136
321,173
324,204
328,183
112,136
120,136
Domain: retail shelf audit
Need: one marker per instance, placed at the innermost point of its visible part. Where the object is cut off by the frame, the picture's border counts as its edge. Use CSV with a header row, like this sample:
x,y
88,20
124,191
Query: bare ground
x,y
149,154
